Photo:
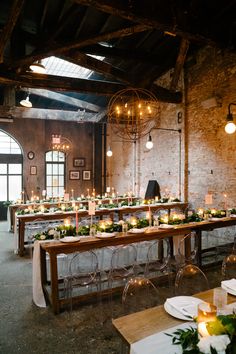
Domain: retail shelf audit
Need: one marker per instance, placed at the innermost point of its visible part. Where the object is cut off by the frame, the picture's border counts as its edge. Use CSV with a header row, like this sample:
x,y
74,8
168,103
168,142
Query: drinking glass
x,y
220,299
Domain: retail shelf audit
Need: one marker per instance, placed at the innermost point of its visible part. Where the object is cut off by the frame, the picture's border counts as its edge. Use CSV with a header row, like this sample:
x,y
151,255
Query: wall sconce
x,y
26,102
109,152
149,143
230,127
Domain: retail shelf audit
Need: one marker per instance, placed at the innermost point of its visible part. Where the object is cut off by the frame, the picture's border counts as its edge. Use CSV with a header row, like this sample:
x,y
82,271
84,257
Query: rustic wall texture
x,y
35,135
205,163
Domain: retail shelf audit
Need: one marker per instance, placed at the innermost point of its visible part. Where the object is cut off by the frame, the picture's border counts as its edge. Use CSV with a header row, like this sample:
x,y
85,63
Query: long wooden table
x,y
140,325
23,219
53,204
90,243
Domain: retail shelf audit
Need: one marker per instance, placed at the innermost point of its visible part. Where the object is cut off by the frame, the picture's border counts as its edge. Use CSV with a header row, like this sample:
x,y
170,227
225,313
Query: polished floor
x,y
24,328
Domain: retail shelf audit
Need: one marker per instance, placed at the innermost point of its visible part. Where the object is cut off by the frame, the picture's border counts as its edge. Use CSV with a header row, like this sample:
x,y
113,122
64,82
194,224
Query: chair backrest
x,y
158,256
229,267
187,249
139,294
84,267
123,260
190,279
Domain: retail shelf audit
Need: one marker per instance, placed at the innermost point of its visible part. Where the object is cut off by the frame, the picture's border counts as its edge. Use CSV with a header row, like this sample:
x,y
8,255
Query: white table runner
x,y
159,342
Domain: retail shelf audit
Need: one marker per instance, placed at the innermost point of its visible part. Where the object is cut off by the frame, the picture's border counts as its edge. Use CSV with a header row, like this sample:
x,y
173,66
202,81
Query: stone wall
x,y
207,161
35,135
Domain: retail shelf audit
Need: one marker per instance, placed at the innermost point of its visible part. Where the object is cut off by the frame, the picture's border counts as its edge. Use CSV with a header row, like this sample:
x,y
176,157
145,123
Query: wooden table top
x,y
139,325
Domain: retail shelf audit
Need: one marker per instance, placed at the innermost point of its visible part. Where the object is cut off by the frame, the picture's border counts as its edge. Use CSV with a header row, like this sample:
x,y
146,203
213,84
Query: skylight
x,y
60,67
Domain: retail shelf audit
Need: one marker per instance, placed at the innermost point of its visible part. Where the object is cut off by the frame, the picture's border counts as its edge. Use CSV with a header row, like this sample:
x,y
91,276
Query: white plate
x,y
106,234
228,288
151,229
181,301
233,215
70,239
214,219
166,226
137,231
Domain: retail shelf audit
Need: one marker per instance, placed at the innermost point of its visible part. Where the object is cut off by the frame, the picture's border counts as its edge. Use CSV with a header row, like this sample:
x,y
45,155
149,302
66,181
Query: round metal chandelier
x,y
132,113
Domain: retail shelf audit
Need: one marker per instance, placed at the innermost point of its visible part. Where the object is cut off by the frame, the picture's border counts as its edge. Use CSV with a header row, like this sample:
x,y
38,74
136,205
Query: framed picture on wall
x,y
87,175
79,162
74,175
33,170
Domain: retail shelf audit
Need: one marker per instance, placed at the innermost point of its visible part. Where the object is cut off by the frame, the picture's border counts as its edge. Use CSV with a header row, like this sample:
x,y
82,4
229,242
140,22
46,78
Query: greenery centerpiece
x,y
221,339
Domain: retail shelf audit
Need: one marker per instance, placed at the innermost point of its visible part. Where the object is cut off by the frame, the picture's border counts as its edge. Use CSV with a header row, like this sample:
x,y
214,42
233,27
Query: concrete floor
x,y
24,328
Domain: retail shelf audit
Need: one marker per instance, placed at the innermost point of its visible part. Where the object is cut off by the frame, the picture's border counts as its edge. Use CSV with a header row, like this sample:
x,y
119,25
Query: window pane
x,y
15,168
55,181
61,180
61,156
55,156
49,156
49,181
49,169
61,169
49,191
15,187
61,191
55,169
8,145
55,191
3,189
3,168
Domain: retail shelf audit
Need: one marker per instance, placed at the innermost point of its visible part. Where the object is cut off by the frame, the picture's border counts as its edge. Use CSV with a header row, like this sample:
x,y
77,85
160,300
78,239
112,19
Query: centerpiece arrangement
x,y
221,338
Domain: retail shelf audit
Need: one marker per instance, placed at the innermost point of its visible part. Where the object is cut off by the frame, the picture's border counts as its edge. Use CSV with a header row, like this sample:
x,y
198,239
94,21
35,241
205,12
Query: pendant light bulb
x,y
149,143
230,127
109,152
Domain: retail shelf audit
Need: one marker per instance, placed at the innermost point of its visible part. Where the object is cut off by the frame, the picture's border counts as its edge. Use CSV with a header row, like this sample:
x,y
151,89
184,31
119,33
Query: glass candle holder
x,y
220,299
206,313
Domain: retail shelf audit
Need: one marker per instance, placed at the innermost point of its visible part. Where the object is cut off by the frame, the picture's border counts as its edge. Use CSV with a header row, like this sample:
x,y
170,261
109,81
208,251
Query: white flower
x,y
56,234
26,210
42,237
121,222
51,232
219,343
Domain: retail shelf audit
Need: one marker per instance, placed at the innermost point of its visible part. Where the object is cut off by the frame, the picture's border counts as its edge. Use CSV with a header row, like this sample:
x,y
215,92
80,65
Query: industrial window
x,y
55,173
10,168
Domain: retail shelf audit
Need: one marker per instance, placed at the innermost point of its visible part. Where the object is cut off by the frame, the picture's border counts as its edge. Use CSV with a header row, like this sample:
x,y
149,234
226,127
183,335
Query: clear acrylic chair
x,y
189,280
139,294
83,276
158,257
229,267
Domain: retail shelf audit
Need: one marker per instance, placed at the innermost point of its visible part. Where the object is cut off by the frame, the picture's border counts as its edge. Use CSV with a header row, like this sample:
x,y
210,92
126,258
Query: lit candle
x,y
133,221
225,196
206,313
88,196
32,195
110,201
200,212
82,196
72,193
103,225
76,221
73,205
42,209
67,222
63,208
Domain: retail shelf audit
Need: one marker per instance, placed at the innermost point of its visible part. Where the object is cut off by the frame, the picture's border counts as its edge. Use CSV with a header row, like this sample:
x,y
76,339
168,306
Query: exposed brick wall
x,y
35,135
206,148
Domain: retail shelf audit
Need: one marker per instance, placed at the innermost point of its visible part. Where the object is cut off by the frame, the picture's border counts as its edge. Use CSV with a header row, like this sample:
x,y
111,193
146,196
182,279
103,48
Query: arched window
x,y
55,173
10,168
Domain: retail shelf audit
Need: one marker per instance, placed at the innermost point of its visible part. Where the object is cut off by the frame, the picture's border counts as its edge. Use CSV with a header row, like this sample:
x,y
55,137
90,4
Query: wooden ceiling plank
x,y
9,26
123,10
43,17
55,96
184,45
78,43
49,114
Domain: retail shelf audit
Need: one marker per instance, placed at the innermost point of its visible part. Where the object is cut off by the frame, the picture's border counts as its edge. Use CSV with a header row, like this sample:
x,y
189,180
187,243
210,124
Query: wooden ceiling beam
x,y
9,26
50,114
98,66
55,49
55,96
184,45
144,16
60,83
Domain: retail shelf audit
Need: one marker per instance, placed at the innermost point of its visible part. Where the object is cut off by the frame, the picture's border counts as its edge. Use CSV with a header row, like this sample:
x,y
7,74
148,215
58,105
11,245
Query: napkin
x,y
229,285
187,309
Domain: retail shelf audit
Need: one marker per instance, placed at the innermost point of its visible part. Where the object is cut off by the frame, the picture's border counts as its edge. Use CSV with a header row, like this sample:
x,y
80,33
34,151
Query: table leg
x,y
21,237
54,283
198,241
